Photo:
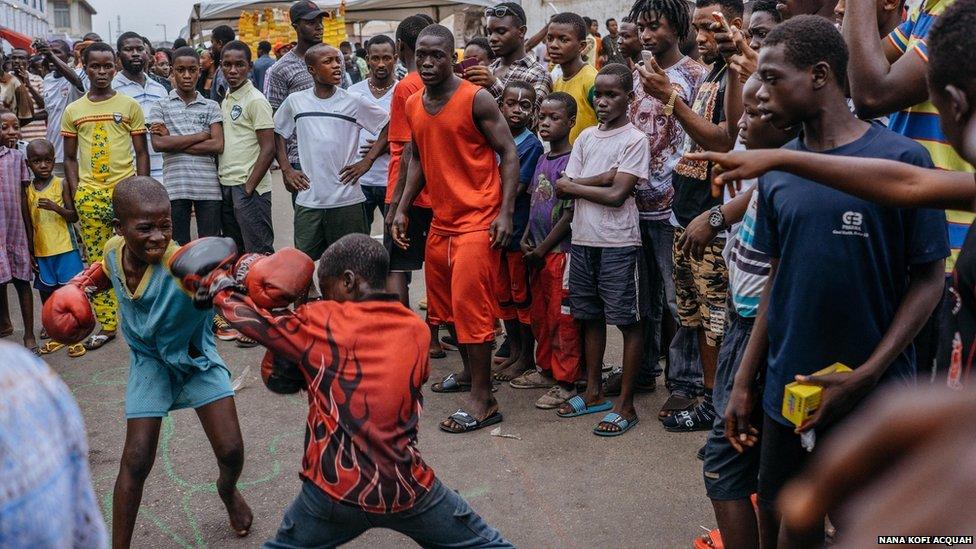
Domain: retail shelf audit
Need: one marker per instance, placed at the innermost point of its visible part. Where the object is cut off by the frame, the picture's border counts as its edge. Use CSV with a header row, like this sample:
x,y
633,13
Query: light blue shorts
x,y
155,389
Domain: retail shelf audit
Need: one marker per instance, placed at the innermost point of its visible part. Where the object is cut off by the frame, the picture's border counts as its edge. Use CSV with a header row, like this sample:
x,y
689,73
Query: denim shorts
x,y
728,474
606,283
441,518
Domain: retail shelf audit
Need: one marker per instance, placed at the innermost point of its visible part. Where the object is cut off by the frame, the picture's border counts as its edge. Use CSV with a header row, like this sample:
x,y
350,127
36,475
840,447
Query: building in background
x,y
69,17
22,20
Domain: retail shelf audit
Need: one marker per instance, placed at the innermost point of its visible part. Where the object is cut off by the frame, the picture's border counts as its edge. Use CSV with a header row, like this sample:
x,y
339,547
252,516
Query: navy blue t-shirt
x,y
529,150
843,266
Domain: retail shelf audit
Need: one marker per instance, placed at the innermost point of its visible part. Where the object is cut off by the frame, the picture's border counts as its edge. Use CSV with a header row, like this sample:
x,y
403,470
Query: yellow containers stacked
x,y
334,31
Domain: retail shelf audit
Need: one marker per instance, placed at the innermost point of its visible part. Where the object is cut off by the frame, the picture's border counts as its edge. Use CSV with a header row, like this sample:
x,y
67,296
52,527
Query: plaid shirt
x,y
526,70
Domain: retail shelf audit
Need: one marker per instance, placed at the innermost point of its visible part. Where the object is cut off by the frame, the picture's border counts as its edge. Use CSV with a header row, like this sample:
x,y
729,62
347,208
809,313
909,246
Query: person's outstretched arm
x,y
889,183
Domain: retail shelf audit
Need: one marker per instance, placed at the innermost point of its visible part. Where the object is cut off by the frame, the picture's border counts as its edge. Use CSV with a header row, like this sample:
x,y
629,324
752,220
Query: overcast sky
x,y
142,16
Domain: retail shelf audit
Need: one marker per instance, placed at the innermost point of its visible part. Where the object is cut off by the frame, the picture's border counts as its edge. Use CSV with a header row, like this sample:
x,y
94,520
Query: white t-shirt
x,y
376,176
328,140
597,151
58,93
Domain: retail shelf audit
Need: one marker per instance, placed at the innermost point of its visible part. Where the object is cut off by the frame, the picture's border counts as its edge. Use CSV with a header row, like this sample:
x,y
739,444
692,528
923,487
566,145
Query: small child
x,y
362,357
15,257
512,283
173,359
546,246
565,38
607,261
54,248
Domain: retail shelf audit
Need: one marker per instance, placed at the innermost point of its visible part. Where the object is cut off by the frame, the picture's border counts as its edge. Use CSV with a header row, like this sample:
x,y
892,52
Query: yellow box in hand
x,y
801,400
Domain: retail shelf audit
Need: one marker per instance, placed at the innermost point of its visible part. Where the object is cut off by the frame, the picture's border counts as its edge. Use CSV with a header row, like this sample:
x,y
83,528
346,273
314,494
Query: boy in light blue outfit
x,y
174,362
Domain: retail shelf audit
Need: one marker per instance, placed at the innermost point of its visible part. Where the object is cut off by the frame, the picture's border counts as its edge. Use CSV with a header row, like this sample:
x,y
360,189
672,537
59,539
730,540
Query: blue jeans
x,y
441,518
657,239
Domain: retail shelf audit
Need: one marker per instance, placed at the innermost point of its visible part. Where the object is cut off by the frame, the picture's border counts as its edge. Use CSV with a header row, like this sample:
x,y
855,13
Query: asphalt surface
x,y
556,485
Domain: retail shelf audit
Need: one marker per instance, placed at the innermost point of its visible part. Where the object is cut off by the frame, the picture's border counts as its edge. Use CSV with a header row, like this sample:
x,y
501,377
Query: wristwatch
x,y
669,108
716,219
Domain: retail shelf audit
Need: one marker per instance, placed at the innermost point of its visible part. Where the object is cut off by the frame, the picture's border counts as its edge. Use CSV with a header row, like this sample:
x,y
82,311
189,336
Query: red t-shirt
x,y
365,363
399,134
460,166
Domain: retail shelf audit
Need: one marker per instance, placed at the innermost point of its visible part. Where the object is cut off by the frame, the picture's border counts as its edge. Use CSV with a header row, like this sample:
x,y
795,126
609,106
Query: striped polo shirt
x,y
188,176
921,122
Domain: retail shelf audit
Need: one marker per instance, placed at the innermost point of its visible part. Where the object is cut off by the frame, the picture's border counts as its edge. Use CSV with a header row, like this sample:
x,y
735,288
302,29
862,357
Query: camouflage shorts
x,y
701,288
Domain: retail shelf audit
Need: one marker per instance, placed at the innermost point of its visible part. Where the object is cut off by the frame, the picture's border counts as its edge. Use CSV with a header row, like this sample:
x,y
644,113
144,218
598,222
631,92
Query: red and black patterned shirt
x,y
365,363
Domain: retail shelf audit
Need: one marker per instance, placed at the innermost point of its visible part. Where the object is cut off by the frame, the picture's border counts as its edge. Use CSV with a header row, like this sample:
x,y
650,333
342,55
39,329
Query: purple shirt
x,y
14,253
545,209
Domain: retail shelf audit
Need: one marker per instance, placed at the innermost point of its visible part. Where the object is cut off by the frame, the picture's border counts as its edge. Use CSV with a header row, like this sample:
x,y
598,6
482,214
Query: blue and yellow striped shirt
x,y
921,122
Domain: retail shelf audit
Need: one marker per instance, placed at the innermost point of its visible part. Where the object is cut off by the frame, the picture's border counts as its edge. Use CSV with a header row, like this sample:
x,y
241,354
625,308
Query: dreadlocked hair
x,y
675,11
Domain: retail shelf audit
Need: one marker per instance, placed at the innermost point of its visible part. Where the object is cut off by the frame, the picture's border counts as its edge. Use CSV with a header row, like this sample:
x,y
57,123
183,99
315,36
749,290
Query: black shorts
x,y
411,259
728,474
605,283
781,458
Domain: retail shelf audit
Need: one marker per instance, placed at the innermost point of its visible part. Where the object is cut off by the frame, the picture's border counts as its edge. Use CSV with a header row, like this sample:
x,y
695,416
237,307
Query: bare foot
x,y
517,367
30,343
239,513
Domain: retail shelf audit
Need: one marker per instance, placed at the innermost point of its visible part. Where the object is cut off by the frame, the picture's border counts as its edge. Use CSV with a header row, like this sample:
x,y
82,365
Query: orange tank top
x,y
459,165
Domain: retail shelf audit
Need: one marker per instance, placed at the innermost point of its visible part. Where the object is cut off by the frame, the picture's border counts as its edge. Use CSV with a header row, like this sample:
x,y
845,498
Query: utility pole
x,y
164,31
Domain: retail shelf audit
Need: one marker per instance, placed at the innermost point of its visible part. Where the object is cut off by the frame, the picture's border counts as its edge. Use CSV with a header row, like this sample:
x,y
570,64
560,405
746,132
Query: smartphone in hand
x,y
459,68
647,57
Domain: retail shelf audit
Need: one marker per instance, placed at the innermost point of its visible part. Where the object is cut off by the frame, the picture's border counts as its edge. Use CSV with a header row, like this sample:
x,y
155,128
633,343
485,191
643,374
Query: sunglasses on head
x,y
502,11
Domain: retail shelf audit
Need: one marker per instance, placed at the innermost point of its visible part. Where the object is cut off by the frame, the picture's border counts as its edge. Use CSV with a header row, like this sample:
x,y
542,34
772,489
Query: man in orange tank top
x,y
457,130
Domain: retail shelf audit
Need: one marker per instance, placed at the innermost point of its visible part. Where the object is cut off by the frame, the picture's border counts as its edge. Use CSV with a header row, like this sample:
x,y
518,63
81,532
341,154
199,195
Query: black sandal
x,y
468,422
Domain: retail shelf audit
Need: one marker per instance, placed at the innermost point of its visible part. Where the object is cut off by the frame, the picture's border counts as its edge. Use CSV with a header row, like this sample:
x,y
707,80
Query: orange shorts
x,y
512,288
459,273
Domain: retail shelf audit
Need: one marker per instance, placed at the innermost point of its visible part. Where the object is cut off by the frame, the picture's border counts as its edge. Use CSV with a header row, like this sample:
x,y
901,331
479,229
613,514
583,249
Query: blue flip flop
x,y
618,420
581,409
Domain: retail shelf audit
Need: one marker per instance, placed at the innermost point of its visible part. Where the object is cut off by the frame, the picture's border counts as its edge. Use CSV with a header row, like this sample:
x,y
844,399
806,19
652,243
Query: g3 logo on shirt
x,y
851,225
852,218
235,112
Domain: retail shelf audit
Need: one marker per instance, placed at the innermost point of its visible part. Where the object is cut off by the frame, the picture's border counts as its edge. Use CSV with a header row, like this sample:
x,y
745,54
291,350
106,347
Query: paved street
x,y
556,486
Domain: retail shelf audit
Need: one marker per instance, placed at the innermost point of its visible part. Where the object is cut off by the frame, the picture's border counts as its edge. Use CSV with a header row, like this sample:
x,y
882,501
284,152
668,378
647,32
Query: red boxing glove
x,y
67,316
276,280
193,263
281,376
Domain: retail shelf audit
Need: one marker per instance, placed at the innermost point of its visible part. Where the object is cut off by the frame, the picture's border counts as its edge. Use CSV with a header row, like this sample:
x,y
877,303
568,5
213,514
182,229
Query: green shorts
x,y
316,229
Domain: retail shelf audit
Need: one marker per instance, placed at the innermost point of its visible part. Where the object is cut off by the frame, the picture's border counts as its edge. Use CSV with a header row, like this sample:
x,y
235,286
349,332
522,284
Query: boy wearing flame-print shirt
x,y
362,357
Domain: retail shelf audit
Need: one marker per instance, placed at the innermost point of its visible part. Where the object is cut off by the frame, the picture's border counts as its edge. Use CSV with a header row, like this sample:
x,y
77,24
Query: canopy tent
x,y
16,39
207,15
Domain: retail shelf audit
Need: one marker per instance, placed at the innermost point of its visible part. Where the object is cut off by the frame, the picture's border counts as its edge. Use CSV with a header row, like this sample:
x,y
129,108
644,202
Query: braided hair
x,y
675,11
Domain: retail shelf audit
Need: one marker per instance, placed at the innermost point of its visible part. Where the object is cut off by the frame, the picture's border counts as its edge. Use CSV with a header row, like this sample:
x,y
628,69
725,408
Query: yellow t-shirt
x,y
245,111
104,131
580,87
51,234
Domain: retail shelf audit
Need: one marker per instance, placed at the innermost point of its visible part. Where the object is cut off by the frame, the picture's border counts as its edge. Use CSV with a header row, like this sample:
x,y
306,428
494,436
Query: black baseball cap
x,y
305,9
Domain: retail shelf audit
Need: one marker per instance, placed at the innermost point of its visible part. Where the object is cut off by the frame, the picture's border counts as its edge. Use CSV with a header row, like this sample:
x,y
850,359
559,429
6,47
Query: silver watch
x,y
716,219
